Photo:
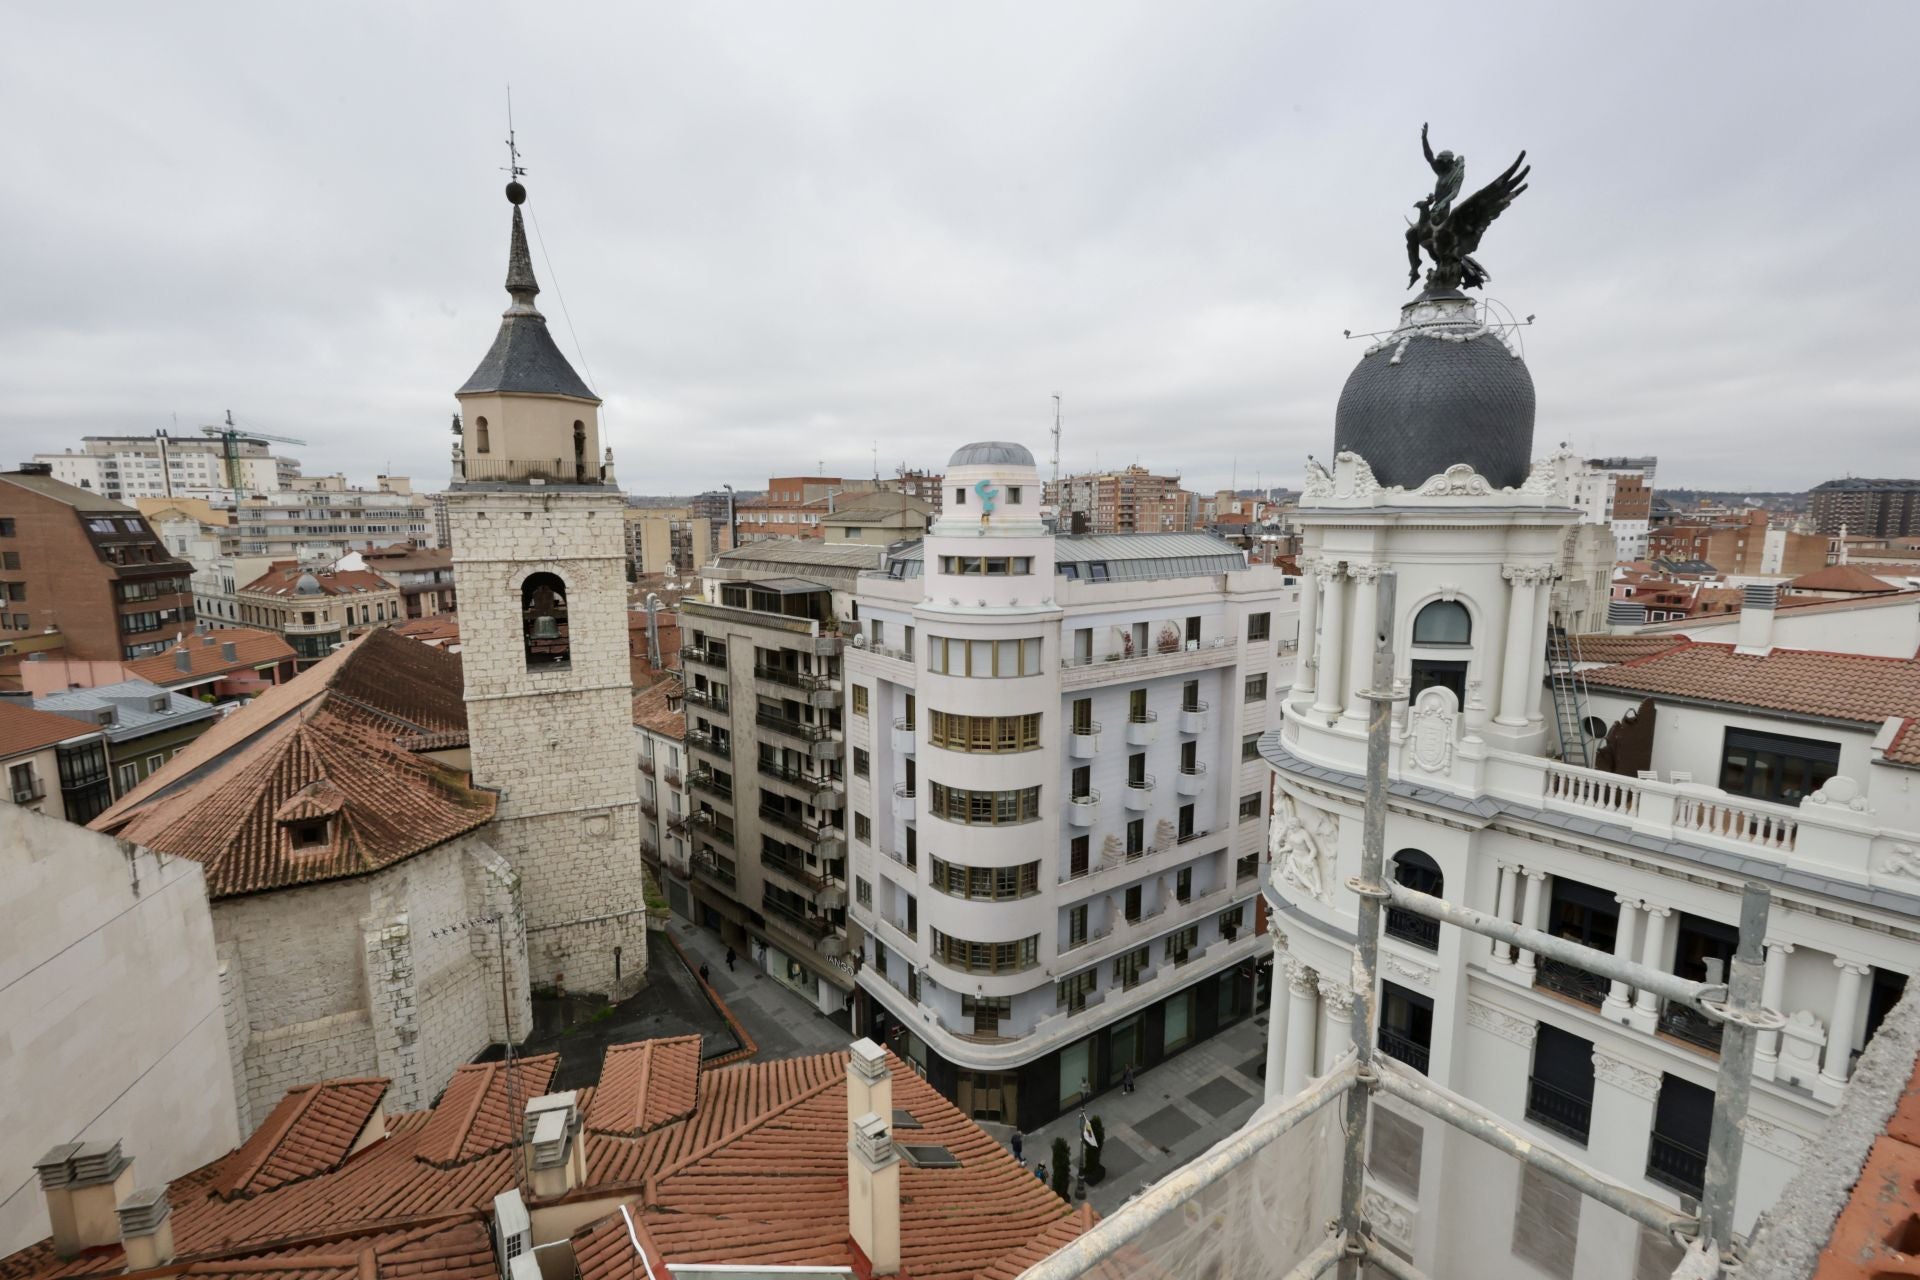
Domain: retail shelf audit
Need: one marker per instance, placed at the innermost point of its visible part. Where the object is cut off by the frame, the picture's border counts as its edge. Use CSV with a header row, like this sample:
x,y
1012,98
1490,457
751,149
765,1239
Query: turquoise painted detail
x,y
987,494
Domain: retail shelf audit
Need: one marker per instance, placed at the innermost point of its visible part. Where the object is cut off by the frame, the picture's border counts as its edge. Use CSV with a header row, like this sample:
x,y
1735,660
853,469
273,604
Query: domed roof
x,y
307,585
990,453
1433,395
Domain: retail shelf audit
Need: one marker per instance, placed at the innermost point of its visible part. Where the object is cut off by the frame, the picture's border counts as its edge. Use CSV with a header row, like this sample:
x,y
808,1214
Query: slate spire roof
x,y
524,358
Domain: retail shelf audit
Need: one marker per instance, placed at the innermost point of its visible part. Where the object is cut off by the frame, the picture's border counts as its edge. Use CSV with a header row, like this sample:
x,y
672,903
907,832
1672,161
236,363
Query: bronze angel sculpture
x,y
1449,232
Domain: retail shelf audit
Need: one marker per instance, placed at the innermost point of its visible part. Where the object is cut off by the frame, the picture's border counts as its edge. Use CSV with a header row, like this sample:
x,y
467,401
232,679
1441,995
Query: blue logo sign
x,y
987,494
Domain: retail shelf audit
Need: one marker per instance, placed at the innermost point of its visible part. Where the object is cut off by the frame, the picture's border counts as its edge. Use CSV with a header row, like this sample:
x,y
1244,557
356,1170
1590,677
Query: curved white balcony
x,y
1083,741
1140,794
1193,719
903,803
1082,810
1142,728
903,737
1191,780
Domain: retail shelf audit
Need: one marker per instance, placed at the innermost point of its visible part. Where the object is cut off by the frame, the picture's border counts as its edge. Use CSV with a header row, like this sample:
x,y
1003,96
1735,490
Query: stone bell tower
x,y
539,554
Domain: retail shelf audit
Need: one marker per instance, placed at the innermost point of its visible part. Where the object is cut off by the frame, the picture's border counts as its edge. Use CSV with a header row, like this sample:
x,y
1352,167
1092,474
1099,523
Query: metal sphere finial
x,y
516,194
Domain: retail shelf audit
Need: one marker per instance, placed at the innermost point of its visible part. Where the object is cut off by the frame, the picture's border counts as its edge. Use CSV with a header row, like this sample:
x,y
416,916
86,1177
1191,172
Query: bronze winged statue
x,y
1449,232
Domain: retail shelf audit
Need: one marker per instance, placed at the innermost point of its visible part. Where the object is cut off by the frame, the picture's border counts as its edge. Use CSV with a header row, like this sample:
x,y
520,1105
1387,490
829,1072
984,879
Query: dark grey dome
x,y
991,453
1443,402
307,585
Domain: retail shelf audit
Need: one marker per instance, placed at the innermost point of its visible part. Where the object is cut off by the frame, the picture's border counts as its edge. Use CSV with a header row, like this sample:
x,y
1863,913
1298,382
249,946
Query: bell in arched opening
x,y
543,621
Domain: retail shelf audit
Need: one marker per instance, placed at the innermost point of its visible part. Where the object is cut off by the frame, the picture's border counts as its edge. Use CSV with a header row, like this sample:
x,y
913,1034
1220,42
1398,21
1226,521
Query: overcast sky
x,y
786,233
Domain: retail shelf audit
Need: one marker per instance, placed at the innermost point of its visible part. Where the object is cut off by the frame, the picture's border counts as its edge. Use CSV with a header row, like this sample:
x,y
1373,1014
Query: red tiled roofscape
x,y
310,1132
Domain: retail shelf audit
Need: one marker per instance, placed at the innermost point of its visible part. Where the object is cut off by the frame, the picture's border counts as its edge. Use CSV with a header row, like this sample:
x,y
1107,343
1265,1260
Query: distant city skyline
x,y
791,240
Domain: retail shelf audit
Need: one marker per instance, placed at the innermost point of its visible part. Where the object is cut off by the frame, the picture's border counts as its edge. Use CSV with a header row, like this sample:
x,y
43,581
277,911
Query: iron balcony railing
x,y
797,728
1408,927
703,780
1551,1107
796,679
1673,1163
708,698
789,821
713,744
708,657
1404,1048
1572,981
1691,1026
813,926
793,869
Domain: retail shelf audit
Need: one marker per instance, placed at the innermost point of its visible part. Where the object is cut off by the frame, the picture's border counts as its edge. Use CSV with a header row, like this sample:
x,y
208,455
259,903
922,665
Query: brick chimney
x,y
84,1183
146,1229
873,1163
1757,605
556,1156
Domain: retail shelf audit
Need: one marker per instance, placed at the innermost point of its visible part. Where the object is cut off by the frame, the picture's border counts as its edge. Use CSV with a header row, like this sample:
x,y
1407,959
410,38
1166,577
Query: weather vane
x,y
514,168
1451,233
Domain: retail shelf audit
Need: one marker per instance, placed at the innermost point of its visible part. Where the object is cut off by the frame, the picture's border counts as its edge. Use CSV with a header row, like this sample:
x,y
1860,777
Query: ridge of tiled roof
x,y
646,1085
1601,646
337,732
310,1132
653,710
1840,577
1864,688
206,655
476,1116
24,728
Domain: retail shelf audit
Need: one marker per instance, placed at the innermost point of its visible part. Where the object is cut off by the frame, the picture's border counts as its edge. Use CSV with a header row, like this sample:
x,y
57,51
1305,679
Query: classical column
x,y
1530,916
1653,954
1336,1023
1838,1064
1516,662
1773,990
1503,908
1277,1021
1619,1001
1303,658
1537,670
1331,652
1303,1011
1366,616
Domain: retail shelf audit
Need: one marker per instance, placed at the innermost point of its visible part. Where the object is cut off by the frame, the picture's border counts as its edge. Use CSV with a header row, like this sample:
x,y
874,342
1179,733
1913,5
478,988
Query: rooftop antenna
x,y
1059,494
515,171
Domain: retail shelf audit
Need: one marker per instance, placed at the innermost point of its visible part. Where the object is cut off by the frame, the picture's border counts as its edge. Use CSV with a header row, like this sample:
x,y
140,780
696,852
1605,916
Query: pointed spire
x,y
520,282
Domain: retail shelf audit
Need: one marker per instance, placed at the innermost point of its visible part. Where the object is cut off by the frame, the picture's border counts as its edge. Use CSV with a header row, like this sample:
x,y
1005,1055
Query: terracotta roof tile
x,y
336,742
479,1114
24,729
310,1132
206,656
283,579
1603,647
1806,682
644,1086
657,707
1840,577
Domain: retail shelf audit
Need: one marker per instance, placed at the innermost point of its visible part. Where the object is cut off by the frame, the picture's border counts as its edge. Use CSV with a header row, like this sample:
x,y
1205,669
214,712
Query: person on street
x,y
1016,1146
703,971
1126,1079
729,959
1040,1170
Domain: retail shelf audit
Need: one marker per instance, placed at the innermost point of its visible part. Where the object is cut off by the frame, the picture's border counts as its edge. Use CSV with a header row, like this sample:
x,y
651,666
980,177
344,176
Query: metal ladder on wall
x,y
1569,699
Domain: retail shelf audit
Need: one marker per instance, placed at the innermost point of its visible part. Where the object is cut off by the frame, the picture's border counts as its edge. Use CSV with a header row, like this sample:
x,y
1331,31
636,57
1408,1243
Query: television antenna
x,y
515,171
1059,496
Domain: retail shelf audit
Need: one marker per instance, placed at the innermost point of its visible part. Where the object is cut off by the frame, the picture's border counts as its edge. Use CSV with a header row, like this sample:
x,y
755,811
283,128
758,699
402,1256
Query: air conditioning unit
x,y
513,1230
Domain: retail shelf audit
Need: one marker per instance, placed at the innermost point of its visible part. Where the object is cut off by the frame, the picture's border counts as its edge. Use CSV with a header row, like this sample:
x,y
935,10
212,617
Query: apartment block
x,y
318,610
1874,508
1056,814
162,466
325,518
88,567
1133,500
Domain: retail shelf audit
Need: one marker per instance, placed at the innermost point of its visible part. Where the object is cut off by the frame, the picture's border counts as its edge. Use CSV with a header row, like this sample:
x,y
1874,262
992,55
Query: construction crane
x,y
230,437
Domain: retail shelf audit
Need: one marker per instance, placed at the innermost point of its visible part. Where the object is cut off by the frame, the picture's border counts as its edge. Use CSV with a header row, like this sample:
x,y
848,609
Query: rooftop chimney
x,y
873,1164
229,651
1626,613
84,1183
556,1157
146,1229
1756,619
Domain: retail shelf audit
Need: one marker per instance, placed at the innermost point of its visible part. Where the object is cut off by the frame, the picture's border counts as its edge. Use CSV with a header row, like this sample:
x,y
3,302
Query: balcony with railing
x,y
903,797
711,743
1404,1048
1673,1163
704,655
713,826
812,688
1570,981
646,766
794,869
1198,655
1191,780
823,839
1083,740
1140,793
1690,1026
903,737
1193,717
805,730
1420,931
1142,728
805,633
1565,1113
708,868
808,926
1083,809
708,698
708,783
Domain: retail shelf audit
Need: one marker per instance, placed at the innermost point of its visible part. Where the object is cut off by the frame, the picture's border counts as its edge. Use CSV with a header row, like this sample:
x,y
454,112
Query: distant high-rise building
x,y
1130,501
1618,492
163,466
1874,508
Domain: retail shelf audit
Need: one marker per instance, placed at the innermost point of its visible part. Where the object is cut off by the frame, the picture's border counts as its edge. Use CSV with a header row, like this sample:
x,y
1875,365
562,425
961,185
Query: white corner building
x,y
1057,812
1617,791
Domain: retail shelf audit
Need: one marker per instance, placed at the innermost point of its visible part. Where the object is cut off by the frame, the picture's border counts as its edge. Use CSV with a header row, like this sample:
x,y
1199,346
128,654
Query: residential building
x,y
126,468
143,724
1056,816
423,575
347,854
667,1167
765,704
1621,801
1876,508
223,666
1133,500
539,552
52,765
317,610
1838,582
112,1008
660,723
659,537
88,567
324,518
1618,493
442,530
1741,545
880,518
927,487
794,505
717,510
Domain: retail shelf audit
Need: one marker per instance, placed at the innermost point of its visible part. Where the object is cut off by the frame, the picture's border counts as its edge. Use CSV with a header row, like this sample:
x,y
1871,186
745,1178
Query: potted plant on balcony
x,y
1169,639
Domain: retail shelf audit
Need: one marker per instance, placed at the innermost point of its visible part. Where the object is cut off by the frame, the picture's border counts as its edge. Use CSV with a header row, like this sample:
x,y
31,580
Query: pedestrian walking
x,y
703,971
1040,1170
1126,1079
729,959
1016,1146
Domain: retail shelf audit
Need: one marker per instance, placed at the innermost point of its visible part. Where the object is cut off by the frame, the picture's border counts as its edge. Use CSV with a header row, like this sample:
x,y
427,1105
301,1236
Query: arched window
x,y
480,435
1416,871
1443,622
543,621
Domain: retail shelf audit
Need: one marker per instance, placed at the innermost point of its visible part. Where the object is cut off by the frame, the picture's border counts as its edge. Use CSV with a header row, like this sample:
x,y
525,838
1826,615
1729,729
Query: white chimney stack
x,y
556,1157
146,1229
873,1194
869,1083
84,1183
1757,606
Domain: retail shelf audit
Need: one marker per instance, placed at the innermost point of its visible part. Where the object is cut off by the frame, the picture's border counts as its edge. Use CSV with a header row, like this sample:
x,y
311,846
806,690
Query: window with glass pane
x,y
1076,924
1183,883
1444,622
1259,626
1071,992
1077,854
1136,837
1133,897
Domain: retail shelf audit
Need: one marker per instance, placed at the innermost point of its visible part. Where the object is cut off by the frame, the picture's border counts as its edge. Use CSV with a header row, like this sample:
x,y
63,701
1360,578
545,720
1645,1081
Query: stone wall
x,y
110,1010
557,743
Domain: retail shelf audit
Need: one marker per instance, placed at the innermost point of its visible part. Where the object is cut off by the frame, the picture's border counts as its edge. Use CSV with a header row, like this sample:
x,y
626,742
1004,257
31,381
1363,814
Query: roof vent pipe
x,y
1757,606
653,630
146,1229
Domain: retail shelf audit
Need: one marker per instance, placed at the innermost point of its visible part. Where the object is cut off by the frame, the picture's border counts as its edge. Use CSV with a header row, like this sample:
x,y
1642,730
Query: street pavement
x,y
784,1023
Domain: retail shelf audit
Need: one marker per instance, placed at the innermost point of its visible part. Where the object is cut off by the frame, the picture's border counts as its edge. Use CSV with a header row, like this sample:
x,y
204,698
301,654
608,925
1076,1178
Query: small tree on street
x,y
1062,1169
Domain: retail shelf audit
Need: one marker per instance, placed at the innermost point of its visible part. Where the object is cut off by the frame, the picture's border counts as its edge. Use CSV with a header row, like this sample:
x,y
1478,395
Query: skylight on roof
x,y
931,1157
905,1120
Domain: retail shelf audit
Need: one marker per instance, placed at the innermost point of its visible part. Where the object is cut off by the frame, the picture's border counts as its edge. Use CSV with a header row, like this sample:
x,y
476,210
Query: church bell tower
x,y
539,554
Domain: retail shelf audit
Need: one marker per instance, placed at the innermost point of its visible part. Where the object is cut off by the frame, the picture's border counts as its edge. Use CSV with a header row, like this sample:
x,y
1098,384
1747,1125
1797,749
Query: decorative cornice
x,y
1789,1144
1388,1216
1528,575
1367,573
1410,969
1501,1023
1624,1075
